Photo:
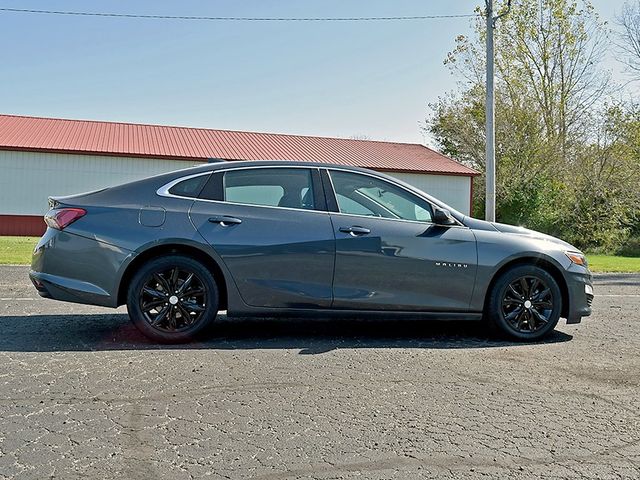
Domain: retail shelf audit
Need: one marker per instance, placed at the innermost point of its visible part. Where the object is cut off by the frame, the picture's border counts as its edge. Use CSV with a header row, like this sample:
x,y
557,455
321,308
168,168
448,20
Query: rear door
x,y
389,254
272,230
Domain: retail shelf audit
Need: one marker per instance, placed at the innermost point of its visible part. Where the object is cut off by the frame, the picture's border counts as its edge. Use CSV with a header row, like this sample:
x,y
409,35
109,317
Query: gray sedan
x,y
292,238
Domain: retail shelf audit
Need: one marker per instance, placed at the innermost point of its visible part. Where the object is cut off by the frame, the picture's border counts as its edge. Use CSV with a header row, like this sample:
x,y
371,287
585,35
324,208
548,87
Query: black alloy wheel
x,y
172,298
525,303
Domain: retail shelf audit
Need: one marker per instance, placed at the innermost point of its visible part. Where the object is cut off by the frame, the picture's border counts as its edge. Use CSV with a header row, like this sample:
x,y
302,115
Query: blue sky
x,y
372,79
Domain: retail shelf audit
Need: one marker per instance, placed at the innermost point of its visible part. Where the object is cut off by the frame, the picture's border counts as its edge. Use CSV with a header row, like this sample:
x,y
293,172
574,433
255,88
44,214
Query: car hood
x,y
474,223
504,228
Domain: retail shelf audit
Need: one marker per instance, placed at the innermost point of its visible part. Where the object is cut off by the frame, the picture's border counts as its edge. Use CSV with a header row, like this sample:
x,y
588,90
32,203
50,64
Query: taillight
x,y
61,218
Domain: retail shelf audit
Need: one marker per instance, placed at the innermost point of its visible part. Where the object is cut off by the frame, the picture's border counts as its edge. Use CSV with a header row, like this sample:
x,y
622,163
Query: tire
x,y
172,299
525,303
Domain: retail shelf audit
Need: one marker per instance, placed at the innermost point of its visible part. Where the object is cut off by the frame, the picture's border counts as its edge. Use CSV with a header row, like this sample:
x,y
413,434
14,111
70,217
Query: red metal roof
x,y
111,138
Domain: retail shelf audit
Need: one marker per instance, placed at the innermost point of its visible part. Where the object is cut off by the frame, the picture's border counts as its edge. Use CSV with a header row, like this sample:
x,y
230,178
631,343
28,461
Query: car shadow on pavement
x,y
47,333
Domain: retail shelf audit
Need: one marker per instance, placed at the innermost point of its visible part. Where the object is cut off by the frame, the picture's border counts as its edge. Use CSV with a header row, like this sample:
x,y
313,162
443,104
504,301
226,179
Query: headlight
x,y
577,258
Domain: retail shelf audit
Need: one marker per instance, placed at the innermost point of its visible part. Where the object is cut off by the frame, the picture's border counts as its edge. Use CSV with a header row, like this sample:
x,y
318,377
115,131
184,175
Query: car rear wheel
x,y
525,303
172,299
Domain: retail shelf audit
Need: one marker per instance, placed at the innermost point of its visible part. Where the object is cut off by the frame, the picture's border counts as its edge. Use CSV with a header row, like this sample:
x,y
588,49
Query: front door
x,y
389,255
271,229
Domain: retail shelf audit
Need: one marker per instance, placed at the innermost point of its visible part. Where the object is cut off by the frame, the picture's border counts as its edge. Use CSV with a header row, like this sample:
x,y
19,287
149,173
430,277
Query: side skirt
x,y
362,314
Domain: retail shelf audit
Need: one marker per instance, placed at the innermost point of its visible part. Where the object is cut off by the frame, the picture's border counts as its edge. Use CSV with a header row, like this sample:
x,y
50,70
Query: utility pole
x,y
490,151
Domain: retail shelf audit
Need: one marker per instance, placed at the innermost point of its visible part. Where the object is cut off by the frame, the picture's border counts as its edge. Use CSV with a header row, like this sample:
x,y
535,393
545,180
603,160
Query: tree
x,y
604,197
555,137
547,58
628,38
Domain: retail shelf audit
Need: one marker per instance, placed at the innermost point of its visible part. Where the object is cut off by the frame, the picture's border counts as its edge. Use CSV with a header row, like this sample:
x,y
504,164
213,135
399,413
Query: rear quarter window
x,y
191,187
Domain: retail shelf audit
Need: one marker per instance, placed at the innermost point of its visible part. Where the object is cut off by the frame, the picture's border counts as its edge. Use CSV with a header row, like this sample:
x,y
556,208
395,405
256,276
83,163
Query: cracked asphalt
x,y
84,395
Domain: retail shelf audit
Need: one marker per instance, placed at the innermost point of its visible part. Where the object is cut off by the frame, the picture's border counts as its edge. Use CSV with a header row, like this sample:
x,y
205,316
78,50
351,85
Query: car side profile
x,y
296,238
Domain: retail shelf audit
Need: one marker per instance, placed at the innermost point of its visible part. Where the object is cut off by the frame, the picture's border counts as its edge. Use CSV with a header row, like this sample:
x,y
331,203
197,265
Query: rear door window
x,y
270,187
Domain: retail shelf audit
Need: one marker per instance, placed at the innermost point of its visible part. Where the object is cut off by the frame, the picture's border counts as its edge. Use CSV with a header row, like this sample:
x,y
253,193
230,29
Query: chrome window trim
x,y
164,191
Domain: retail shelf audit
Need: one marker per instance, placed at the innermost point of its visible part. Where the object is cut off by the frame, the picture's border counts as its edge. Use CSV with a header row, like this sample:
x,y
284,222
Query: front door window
x,y
358,194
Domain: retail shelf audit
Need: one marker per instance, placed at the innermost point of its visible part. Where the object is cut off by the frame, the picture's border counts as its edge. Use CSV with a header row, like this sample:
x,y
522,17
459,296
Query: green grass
x,y
17,250
613,263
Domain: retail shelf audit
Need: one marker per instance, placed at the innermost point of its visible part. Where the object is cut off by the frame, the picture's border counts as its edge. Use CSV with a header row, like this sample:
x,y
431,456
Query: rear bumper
x,y
580,290
72,268
69,289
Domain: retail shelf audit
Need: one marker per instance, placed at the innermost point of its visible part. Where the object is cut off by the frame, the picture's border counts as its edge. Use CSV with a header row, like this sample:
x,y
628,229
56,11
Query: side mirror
x,y
442,217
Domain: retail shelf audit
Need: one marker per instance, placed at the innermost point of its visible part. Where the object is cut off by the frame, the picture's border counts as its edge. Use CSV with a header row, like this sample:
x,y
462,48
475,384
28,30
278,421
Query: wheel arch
x,y
547,265
173,249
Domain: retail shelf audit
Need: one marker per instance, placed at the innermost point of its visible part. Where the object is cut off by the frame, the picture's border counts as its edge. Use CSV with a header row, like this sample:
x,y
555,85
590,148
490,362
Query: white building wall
x,y
454,190
27,179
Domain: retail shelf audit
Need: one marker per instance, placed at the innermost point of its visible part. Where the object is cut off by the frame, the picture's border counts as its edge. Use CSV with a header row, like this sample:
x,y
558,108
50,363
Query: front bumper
x,y
73,268
580,291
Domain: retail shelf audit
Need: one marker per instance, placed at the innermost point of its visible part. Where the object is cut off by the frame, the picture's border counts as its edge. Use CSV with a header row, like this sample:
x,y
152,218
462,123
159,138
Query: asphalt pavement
x,y
84,395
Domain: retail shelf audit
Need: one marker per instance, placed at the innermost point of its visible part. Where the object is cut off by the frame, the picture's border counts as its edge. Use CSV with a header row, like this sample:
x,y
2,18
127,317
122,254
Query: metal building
x,y
40,157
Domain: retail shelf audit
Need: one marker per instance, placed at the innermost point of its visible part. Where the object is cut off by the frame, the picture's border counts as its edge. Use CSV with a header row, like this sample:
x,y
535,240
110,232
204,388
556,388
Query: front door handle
x,y
355,231
225,220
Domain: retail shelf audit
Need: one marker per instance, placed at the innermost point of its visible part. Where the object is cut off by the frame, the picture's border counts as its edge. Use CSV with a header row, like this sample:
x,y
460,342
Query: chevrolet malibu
x,y
299,239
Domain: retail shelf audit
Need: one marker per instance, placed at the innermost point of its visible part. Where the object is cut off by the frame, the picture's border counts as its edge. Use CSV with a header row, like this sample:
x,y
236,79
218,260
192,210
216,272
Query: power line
x,y
238,19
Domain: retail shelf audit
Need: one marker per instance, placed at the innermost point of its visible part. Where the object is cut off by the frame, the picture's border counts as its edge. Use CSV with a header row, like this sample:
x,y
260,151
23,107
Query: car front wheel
x,y
525,303
172,299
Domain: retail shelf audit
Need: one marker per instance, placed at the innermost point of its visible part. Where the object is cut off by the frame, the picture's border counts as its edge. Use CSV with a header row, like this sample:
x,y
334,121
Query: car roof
x,y
224,164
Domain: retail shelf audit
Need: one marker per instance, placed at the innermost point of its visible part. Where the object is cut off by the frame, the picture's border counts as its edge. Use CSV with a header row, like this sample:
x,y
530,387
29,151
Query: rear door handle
x,y
355,231
225,220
